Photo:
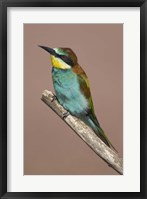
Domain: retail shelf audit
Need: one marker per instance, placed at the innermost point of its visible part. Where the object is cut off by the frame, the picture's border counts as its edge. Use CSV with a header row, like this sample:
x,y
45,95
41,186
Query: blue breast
x,y
68,91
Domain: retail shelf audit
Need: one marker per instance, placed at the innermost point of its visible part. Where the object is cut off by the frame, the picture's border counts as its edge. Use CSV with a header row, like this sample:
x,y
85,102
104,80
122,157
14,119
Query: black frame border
x,y
4,4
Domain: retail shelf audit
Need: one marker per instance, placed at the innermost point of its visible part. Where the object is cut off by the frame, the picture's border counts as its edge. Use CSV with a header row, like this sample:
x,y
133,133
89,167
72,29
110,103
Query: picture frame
x,y
3,102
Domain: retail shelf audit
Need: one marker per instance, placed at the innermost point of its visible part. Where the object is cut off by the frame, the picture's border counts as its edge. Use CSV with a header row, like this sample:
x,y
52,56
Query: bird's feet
x,y
65,114
53,98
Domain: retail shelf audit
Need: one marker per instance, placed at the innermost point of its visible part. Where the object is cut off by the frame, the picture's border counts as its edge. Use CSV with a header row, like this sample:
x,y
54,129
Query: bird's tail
x,y
91,121
104,138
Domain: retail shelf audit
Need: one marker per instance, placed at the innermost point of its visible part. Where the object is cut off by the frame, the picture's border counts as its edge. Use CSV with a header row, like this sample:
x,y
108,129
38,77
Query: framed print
x,y
73,68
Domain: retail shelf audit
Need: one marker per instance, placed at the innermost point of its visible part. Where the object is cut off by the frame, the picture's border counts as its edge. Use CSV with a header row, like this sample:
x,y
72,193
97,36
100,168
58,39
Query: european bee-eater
x,y
72,88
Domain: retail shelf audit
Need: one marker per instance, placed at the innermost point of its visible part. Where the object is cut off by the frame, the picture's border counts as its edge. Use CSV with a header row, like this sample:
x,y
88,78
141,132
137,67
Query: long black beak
x,y
49,50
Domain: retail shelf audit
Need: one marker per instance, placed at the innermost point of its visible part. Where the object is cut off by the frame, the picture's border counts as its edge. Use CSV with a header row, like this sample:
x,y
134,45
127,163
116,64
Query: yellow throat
x,y
58,63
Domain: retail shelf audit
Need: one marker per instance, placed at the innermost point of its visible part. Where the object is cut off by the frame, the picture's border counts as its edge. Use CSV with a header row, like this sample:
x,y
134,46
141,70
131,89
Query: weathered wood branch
x,y
85,133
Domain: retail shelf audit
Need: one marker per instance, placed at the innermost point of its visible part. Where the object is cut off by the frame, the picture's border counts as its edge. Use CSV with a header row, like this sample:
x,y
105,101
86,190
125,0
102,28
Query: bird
x,y
72,89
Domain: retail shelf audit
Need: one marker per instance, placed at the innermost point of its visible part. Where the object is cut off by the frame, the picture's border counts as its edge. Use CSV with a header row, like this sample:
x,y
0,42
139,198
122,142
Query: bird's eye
x,y
67,60
64,57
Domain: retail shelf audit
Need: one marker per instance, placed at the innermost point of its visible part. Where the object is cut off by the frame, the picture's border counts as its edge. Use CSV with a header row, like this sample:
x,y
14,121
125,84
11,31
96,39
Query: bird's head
x,y
62,58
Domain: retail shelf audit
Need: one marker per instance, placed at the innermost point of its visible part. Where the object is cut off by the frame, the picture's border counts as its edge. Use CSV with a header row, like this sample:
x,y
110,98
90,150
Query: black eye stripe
x,y
64,57
67,60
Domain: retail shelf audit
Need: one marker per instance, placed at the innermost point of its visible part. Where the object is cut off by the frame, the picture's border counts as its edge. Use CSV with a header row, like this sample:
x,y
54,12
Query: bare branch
x,y
85,133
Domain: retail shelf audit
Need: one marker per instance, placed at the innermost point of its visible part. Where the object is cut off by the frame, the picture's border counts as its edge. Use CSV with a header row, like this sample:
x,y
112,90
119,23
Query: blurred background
x,y
50,146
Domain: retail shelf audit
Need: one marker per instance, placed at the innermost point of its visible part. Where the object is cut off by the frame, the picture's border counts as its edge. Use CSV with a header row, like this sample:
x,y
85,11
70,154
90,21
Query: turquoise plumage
x,y
70,97
72,89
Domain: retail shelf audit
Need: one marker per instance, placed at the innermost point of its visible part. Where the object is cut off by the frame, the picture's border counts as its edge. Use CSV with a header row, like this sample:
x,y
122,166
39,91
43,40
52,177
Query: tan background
x,y
50,146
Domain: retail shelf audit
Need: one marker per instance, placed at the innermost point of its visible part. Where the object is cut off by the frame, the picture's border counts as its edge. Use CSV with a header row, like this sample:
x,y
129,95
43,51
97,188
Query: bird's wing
x,y
85,89
84,86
